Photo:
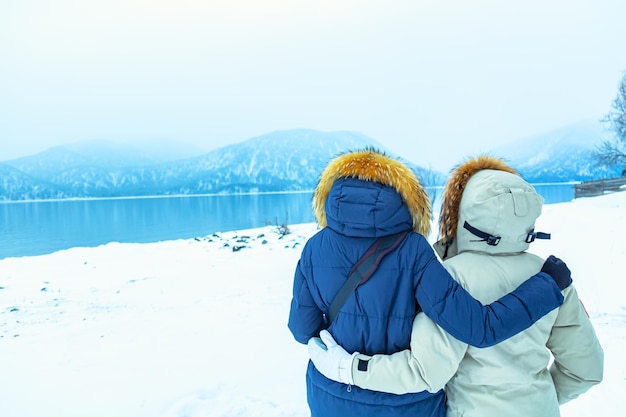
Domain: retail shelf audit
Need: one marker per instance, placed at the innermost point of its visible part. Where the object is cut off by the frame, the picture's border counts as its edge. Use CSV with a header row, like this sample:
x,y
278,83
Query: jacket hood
x,y
484,194
373,165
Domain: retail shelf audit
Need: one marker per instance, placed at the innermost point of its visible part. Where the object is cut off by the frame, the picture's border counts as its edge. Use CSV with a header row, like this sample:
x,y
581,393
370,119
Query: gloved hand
x,y
559,272
330,358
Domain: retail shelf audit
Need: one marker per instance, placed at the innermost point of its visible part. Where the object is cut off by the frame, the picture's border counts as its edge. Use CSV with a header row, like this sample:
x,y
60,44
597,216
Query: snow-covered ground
x,y
193,328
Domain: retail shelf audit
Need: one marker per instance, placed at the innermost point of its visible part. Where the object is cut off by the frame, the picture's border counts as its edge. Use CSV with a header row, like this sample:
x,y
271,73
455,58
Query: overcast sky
x,y
433,81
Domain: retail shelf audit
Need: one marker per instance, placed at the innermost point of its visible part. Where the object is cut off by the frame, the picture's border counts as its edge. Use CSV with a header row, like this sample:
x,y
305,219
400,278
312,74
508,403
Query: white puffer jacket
x,y
518,377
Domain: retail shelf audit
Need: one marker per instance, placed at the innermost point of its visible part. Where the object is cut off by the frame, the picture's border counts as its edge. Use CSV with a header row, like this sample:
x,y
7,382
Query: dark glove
x,y
559,272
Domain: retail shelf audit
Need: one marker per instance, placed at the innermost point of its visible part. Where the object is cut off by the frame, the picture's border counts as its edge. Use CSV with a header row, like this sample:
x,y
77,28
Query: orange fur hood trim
x,y
373,165
449,215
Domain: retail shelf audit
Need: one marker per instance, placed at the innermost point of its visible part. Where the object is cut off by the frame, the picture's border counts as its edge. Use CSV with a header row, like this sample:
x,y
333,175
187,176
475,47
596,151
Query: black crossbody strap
x,y
363,270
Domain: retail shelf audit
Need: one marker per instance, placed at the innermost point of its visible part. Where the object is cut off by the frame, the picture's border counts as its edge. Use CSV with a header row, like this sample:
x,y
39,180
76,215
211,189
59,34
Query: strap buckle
x,y
530,237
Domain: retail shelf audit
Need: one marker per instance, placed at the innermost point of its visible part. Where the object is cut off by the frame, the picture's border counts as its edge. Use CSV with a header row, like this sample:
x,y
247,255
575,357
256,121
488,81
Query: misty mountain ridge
x,y
281,161
561,155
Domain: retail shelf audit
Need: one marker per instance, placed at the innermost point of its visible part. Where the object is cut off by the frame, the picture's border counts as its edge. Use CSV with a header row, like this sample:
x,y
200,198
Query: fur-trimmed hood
x,y
490,196
371,165
451,200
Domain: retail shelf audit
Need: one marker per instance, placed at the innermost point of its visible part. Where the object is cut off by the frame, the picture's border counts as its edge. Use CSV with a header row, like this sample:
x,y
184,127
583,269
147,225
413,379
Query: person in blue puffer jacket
x,y
361,196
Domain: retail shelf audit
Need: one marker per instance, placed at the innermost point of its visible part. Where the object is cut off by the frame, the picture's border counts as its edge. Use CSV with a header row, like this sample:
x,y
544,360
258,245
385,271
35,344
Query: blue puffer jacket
x,y
378,317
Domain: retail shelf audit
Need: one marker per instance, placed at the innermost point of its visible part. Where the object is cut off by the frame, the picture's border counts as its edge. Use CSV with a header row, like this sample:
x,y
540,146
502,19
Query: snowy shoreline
x,y
194,328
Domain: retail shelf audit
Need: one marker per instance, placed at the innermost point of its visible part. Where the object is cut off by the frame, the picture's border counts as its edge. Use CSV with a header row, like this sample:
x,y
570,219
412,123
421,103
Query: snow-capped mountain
x,y
280,161
561,155
288,160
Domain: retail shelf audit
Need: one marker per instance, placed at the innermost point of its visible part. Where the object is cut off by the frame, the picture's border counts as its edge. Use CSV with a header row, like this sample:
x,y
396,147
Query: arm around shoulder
x,y
448,304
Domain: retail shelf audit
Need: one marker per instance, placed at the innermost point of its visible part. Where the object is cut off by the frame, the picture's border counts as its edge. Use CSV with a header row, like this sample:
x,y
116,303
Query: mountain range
x,y
281,161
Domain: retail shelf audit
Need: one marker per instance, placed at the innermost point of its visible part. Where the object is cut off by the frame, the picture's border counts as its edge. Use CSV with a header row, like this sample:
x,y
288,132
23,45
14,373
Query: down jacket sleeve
x,y
305,318
449,305
430,363
578,357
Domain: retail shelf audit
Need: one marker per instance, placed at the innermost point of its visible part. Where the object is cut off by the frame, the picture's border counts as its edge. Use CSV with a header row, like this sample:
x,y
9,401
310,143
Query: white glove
x,y
330,358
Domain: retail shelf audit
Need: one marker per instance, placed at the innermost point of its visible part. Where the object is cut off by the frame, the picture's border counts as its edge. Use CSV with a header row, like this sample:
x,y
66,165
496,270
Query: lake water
x,y
35,228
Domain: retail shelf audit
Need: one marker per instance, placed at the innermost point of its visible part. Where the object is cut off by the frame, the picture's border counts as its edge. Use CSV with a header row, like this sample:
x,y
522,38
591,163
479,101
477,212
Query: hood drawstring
x,y
492,240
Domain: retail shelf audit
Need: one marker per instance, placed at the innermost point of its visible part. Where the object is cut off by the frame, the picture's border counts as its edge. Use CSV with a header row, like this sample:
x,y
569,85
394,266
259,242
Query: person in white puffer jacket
x,y
486,225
